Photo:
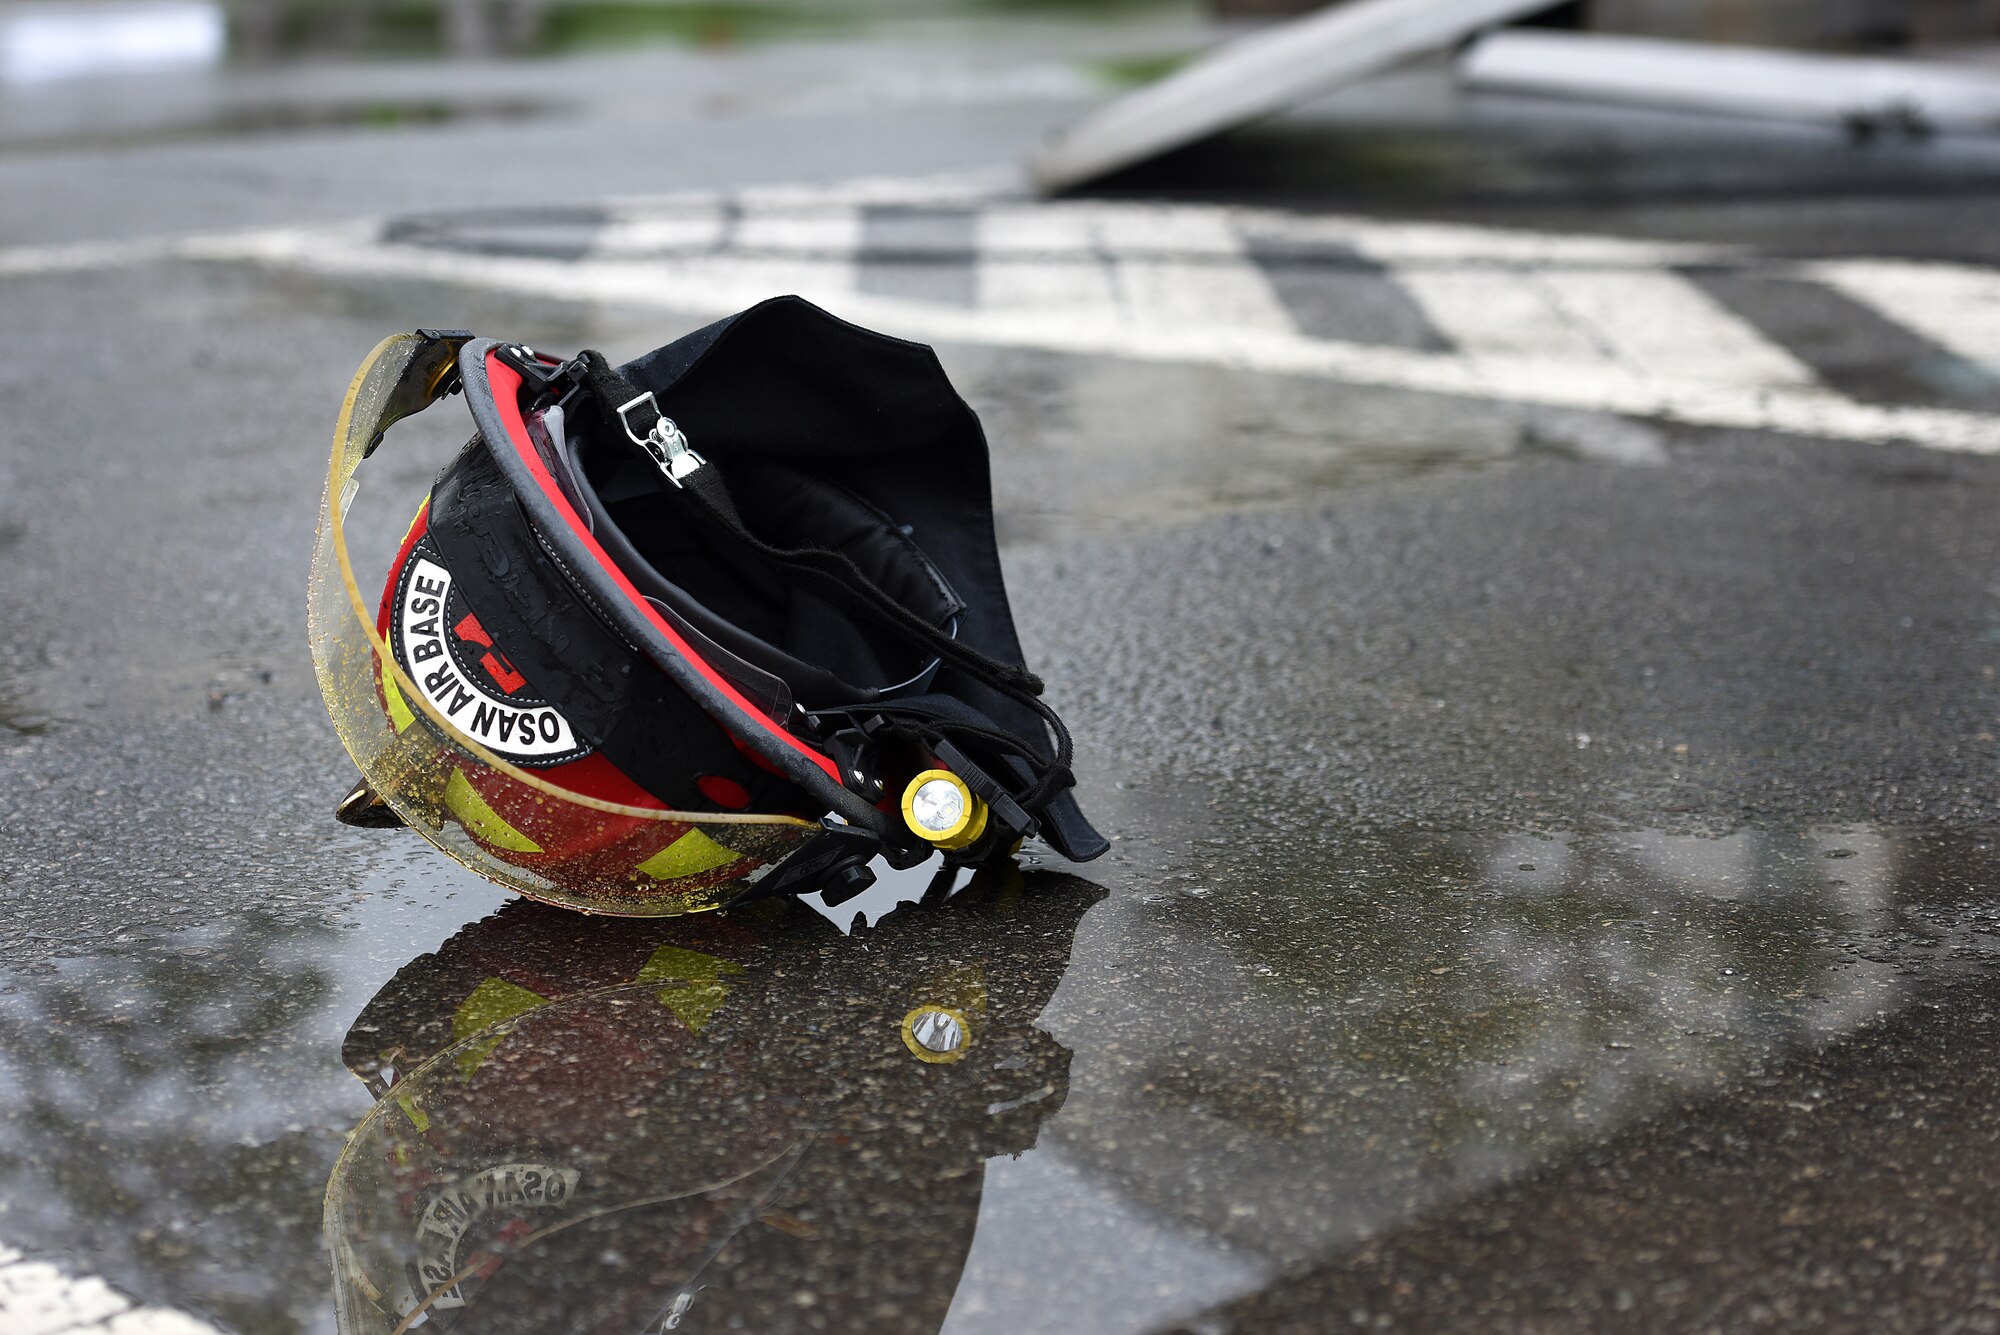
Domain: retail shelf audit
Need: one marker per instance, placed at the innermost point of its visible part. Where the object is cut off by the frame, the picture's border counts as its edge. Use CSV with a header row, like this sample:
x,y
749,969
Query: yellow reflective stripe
x,y
417,1117
694,1005
690,855
494,1000
677,962
399,708
481,821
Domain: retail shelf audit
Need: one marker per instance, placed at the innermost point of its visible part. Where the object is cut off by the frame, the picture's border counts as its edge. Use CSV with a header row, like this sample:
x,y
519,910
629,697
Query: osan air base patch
x,y
438,640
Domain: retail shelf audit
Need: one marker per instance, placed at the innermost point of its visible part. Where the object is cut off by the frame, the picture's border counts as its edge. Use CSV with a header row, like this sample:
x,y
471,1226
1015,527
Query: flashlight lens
x,y
938,1031
938,805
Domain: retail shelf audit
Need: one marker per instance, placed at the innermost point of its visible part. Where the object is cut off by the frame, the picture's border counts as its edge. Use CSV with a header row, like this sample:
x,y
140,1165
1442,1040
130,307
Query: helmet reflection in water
x,y
740,1123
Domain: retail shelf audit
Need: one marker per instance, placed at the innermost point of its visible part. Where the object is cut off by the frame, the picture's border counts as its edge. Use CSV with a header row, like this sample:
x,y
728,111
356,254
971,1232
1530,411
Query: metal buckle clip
x,y
665,442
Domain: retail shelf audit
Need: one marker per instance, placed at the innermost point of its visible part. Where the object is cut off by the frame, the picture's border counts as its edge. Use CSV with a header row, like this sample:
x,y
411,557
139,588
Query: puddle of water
x,y
1374,1026
1034,1107
169,1105
1261,1073
702,1124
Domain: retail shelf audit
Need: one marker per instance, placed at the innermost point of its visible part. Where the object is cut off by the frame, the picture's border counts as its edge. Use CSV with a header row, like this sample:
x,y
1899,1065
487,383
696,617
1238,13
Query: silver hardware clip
x,y
666,443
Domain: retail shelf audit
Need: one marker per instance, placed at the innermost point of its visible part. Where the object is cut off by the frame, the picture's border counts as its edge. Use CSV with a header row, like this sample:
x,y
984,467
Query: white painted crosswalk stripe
x,y
1601,323
1431,243
1123,265
1185,266
37,1298
1043,259
641,235
812,253
1660,326
1501,312
1954,305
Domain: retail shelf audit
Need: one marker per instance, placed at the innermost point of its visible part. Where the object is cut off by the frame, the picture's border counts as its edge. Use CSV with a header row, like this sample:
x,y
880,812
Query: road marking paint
x,y
1439,243
1594,323
28,261
1851,344
1648,324
919,253
696,290
1659,325
1503,312
36,1298
1954,305
273,246
812,253
1185,266
629,235
1046,259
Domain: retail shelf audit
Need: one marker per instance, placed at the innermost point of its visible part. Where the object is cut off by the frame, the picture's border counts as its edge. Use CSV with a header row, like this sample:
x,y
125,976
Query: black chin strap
x,y
827,574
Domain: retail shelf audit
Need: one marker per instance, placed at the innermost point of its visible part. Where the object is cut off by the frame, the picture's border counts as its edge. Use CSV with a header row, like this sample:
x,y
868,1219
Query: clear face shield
x,y
509,824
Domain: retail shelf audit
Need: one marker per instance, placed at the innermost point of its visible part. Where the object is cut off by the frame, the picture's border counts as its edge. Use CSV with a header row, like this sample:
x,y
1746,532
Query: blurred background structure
x,y
463,27
268,29
1834,24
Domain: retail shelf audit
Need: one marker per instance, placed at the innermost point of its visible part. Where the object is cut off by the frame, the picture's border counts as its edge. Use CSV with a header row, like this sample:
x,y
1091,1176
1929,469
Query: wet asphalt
x,y
1555,883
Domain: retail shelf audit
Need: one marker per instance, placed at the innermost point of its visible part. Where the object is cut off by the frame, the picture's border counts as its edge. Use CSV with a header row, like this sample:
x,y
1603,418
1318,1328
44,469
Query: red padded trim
x,y
724,792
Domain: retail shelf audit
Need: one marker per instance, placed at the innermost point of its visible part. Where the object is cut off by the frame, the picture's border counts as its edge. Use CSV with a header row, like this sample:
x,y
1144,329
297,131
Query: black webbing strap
x,y
829,574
